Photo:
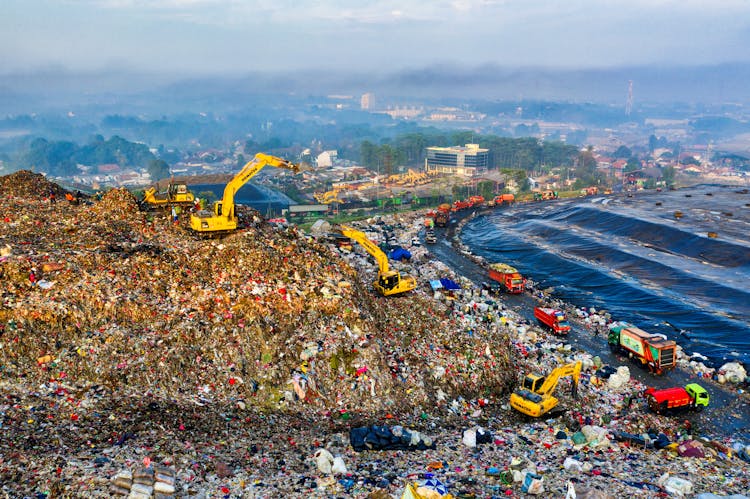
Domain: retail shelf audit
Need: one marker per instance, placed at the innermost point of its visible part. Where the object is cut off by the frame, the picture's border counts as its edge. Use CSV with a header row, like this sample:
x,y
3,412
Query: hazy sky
x,y
236,36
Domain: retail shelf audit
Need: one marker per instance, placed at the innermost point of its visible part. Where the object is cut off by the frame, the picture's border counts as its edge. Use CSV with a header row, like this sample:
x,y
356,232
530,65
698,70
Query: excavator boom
x,y
371,247
224,218
553,378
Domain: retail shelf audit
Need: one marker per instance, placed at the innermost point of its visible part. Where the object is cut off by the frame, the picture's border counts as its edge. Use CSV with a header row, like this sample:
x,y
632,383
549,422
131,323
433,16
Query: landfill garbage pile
x,y
109,298
124,336
27,184
137,360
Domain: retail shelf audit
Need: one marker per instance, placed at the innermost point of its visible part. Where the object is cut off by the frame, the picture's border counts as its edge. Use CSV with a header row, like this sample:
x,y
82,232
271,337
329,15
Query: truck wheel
x,y
699,408
662,408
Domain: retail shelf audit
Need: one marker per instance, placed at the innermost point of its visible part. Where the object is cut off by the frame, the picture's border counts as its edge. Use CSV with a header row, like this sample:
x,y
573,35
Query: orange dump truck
x,y
553,319
443,215
505,199
508,276
476,201
650,350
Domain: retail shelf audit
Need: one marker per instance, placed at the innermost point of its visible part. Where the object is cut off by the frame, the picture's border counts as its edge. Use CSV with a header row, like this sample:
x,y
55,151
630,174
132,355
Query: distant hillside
x,y
655,84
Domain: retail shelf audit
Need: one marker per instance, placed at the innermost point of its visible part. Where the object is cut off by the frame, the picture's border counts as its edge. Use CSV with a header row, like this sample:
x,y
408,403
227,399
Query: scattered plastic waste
x,y
137,361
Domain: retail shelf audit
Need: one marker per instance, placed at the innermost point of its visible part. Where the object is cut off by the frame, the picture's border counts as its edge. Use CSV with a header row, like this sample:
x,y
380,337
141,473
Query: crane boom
x,y
224,217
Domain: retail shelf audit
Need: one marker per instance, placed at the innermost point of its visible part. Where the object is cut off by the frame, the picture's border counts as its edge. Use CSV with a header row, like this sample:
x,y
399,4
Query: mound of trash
x,y
116,204
102,296
27,184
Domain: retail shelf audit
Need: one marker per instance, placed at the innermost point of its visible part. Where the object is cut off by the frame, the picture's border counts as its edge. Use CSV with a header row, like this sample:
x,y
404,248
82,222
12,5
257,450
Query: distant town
x,y
361,151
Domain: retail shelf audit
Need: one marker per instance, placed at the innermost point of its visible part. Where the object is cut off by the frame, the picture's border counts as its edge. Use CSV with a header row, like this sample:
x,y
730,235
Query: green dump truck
x,y
652,351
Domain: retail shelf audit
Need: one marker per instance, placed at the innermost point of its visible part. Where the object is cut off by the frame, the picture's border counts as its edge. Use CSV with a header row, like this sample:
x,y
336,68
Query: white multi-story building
x,y
467,161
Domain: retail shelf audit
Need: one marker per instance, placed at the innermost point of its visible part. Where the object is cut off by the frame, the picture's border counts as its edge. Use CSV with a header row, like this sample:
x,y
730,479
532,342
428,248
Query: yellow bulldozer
x,y
175,195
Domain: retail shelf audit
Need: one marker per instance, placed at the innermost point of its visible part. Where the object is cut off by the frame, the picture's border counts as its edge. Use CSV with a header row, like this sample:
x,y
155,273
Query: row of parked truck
x,y
652,351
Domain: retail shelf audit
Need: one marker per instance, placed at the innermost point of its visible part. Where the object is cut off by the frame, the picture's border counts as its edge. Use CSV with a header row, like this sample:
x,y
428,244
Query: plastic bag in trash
x,y
676,485
470,438
324,460
533,484
338,467
578,438
571,464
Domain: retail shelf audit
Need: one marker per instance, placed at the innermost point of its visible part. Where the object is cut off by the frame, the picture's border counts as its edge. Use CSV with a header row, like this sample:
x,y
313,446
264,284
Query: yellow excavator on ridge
x,y
224,218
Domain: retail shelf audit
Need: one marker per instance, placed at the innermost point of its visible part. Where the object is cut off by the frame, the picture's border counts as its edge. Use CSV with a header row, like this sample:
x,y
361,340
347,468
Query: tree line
x,y
61,158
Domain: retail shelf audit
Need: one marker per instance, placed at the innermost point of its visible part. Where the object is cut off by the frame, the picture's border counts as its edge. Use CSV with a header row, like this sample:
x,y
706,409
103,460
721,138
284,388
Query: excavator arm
x,y
248,171
224,217
368,245
572,369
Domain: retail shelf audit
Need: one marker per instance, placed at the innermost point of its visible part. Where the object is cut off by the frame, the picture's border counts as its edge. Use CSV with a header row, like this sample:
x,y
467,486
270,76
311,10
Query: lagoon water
x,y
674,262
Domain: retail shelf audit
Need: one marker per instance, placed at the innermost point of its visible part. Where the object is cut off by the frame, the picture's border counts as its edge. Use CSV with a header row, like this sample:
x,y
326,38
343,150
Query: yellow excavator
x,y
224,218
175,195
389,282
535,398
329,197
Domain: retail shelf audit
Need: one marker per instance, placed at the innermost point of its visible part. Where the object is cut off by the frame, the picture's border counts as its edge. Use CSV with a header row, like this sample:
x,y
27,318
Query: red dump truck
x,y
475,201
508,276
693,396
650,350
553,319
461,204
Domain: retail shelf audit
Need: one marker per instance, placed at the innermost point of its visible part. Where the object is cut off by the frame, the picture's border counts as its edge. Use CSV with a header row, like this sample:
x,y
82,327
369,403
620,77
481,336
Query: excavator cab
x,y
392,283
533,382
389,281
